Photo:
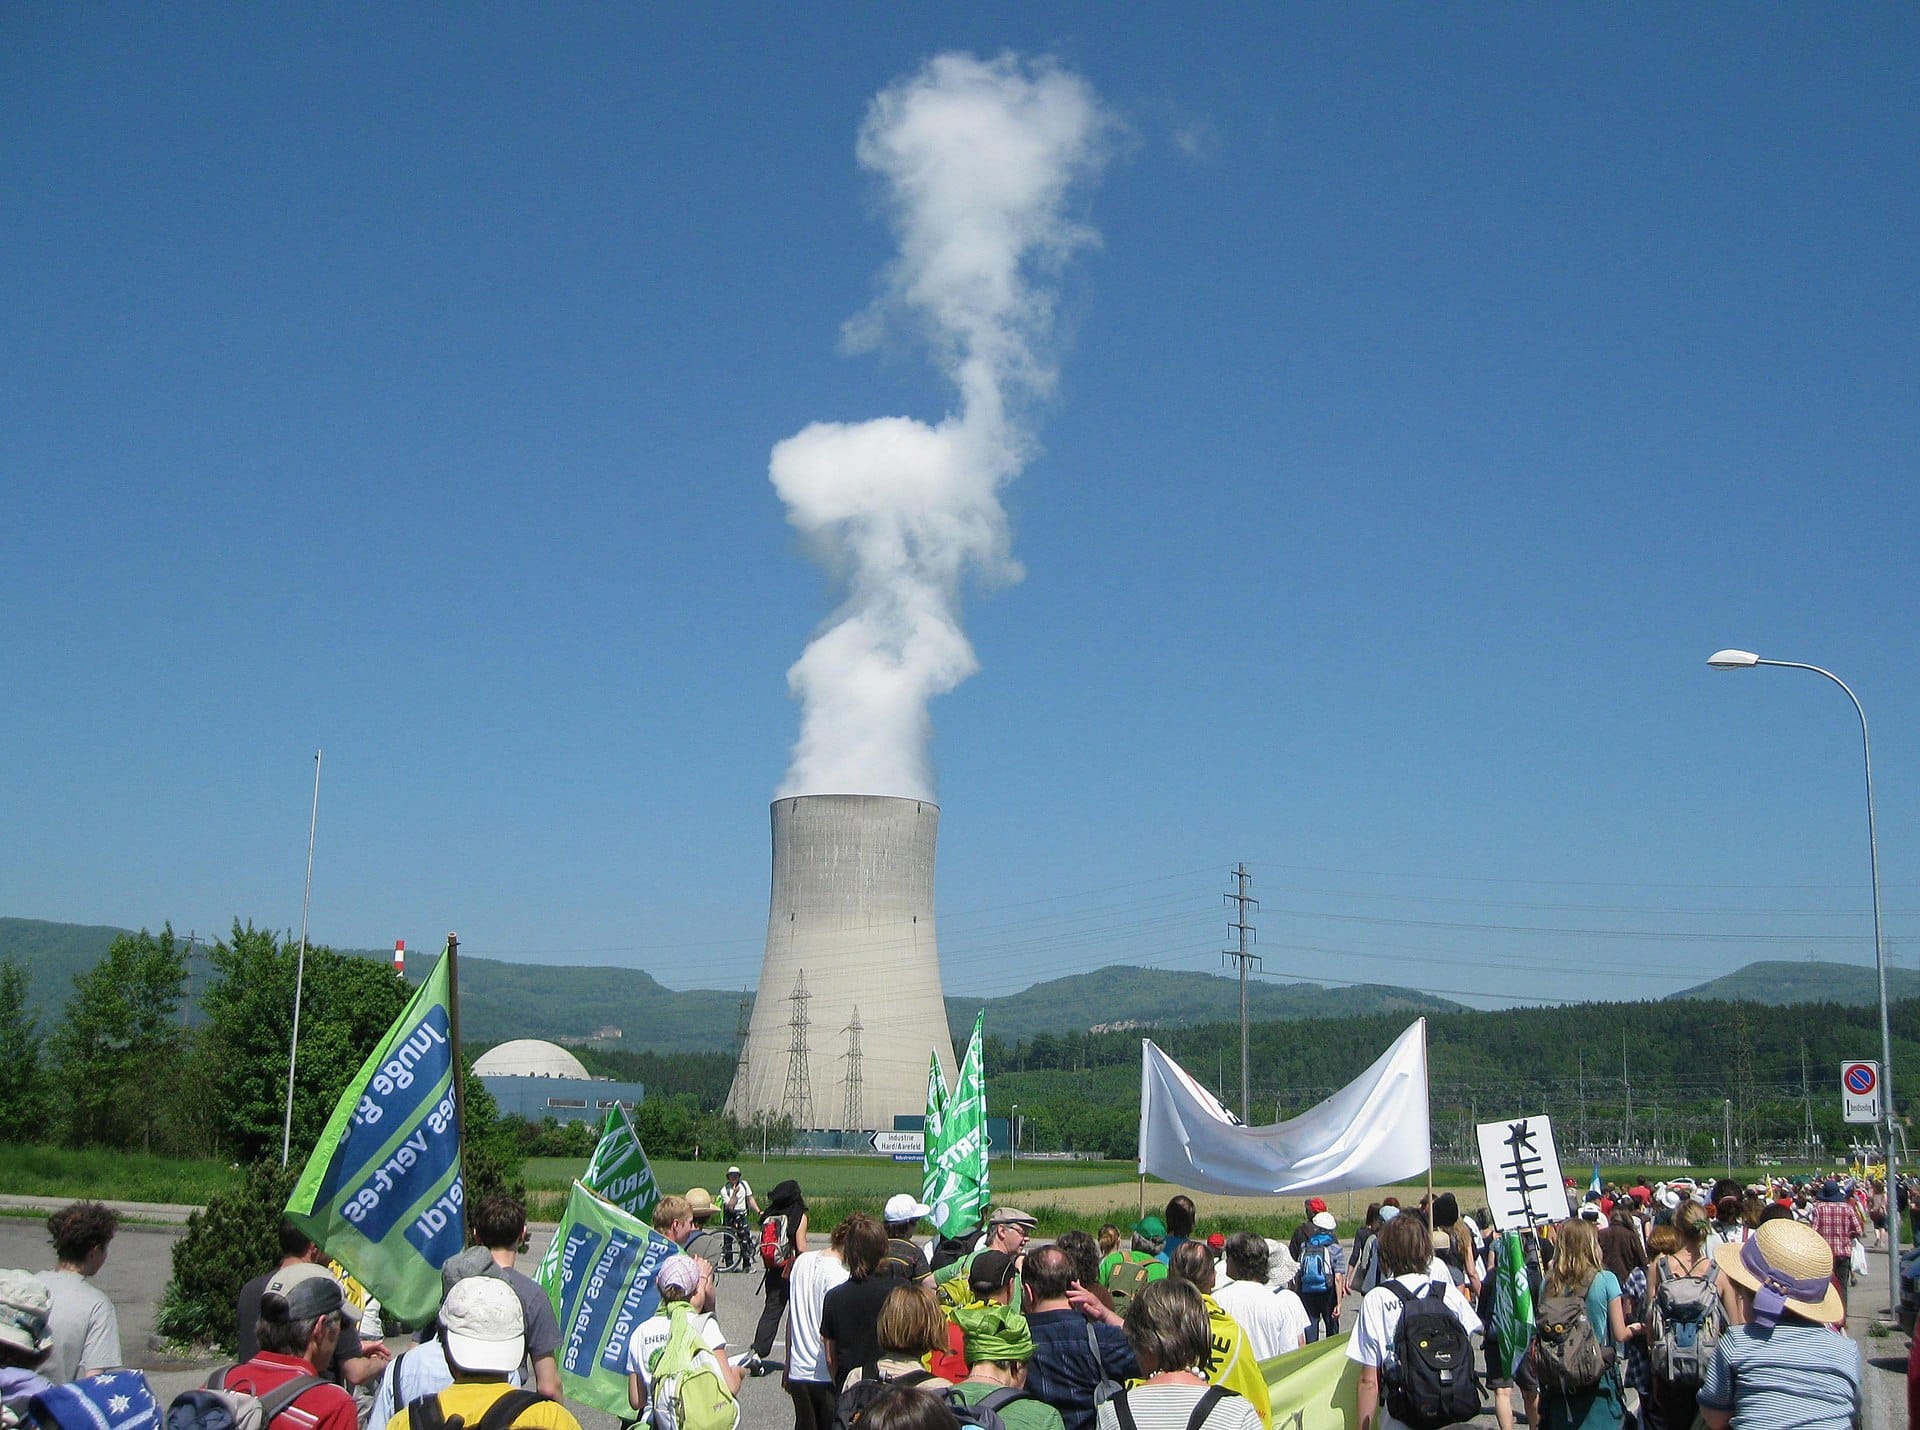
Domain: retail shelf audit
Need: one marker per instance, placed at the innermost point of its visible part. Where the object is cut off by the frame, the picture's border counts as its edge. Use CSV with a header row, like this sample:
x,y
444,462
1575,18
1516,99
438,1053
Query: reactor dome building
x,y
849,1003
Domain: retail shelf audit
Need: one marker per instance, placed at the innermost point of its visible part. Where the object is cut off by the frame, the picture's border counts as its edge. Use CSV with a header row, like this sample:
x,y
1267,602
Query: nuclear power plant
x,y
849,1003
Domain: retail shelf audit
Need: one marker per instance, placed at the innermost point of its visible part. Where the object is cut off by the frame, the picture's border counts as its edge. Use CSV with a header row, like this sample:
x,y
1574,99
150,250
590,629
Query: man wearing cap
x,y
736,1200
999,1345
25,1341
423,1370
302,1312
483,1334
905,1261
500,1224
1068,1363
1008,1230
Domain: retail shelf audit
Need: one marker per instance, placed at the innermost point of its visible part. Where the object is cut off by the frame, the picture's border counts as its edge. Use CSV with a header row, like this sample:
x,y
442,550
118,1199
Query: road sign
x,y
909,1145
1860,1091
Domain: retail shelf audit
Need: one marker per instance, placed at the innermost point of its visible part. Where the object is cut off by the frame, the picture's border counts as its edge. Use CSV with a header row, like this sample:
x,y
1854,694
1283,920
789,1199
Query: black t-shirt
x,y
848,1318
904,1260
246,1331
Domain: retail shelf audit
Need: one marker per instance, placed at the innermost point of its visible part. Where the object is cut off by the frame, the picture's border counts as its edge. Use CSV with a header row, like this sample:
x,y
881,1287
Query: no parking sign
x,y
1860,1091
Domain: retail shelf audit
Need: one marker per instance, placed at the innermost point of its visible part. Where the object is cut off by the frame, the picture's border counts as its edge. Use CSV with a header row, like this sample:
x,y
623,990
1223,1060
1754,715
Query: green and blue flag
x,y
382,1191
601,1284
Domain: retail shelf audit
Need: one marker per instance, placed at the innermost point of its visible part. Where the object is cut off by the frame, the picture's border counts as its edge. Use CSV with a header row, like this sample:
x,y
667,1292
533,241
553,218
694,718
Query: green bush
x,y
234,1238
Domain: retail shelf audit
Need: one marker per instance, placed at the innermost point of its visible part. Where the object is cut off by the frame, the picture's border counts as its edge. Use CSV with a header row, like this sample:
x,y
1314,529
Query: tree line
x,y
124,1069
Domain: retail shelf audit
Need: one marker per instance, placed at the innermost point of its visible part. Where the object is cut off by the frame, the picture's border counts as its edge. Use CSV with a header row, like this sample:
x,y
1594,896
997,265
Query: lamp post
x,y
1013,1134
1742,660
1726,1134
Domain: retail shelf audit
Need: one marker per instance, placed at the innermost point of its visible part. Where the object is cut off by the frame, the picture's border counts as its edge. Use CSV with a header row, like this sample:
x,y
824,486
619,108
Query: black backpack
x,y
854,1400
1431,1379
426,1412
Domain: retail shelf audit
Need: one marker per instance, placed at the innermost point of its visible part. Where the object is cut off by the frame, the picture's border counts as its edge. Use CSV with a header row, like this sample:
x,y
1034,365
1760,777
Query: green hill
x,y
1809,981
1121,998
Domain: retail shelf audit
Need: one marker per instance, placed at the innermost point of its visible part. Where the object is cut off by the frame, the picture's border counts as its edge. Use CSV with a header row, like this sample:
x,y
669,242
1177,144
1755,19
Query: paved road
x,y
141,1261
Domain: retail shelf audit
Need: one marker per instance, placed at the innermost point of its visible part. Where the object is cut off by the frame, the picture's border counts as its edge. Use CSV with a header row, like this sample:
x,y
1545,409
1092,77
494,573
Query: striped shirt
x,y
1797,1376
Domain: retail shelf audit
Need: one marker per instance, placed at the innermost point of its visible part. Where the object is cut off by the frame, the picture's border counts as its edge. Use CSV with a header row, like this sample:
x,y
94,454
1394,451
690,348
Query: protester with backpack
x,y
1413,1338
483,1331
1781,1365
679,1376
1168,1329
1684,1318
1579,1322
783,1237
423,1369
999,1345
301,1312
1126,1273
1322,1279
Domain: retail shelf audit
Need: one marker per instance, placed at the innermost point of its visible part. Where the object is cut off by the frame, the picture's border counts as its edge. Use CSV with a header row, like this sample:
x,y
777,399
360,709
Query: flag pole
x,y
459,1061
300,965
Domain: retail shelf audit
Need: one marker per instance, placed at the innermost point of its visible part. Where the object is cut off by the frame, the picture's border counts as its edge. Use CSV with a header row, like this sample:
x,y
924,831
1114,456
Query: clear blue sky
x,y
1448,383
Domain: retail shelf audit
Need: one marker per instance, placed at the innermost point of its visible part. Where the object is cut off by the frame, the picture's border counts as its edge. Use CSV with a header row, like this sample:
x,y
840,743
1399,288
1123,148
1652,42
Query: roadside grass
x,y
40,1171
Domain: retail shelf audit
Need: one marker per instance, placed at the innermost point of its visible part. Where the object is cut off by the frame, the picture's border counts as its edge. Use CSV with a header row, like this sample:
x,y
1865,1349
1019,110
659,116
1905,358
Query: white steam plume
x,y
978,158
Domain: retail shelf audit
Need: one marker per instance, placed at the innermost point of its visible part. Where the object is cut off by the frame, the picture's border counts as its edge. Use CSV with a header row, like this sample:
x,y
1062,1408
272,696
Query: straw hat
x,y
1789,1267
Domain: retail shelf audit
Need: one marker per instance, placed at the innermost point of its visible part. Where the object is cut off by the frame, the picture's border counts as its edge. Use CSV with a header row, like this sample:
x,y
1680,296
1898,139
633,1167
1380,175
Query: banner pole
x,y
1426,1077
1143,1197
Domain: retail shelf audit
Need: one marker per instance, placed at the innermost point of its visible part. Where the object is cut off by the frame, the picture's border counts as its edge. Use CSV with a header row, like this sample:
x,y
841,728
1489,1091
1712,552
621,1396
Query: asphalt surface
x,y
142,1258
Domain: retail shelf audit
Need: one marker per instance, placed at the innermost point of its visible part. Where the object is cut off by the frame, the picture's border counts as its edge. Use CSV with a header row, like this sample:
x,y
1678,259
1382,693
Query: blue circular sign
x,y
1860,1079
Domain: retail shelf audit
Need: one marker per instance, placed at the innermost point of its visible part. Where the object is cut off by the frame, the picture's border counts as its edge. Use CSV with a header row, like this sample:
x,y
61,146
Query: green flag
x,y
382,1191
930,1133
1512,1302
618,1171
960,1189
601,1285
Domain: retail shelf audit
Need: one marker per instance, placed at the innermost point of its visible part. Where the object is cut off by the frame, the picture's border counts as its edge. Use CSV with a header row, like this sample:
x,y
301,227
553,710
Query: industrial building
x,y
536,1080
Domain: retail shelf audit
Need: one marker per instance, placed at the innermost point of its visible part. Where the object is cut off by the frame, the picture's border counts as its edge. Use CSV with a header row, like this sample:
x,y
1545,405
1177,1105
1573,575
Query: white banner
x,y
1522,1172
1372,1131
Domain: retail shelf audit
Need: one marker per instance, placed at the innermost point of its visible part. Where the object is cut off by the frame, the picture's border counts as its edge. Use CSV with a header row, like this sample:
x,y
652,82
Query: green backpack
x,y
700,1398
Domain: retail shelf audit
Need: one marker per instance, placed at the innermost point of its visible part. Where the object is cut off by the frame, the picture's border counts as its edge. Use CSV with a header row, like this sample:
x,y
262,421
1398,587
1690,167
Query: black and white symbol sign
x,y
1522,1173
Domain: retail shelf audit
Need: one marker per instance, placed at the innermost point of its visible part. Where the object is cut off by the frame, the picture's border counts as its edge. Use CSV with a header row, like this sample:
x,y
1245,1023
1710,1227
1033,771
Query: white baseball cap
x,y
482,1327
902,1207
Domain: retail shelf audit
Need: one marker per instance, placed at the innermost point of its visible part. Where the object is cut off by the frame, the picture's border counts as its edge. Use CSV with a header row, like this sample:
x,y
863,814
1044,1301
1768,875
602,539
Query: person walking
x,y
1838,1221
809,1380
86,1330
1168,1330
1576,1271
787,1211
1691,1259
1779,1364
484,1341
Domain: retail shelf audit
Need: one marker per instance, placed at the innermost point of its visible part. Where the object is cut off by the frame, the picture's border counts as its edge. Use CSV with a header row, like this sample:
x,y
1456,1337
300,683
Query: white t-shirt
x,y
735,1196
1379,1317
85,1329
813,1274
1274,1322
649,1338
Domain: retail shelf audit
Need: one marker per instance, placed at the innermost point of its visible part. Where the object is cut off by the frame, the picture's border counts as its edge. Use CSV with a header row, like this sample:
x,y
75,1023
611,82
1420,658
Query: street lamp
x,y
1726,1135
1741,660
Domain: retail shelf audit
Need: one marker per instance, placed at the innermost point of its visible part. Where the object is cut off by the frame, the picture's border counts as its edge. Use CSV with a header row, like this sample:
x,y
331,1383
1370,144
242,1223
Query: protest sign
x,y
1522,1173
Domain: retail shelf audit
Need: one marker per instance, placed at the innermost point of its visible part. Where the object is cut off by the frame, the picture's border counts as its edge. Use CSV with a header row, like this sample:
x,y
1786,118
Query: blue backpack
x,y
1315,1265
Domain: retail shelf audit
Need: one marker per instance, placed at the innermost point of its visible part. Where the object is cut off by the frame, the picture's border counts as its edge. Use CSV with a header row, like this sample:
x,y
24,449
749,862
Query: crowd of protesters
x,y
1158,1325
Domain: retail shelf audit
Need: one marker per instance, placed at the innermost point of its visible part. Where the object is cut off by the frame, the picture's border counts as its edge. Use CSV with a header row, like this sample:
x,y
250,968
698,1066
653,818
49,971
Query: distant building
x,y
536,1080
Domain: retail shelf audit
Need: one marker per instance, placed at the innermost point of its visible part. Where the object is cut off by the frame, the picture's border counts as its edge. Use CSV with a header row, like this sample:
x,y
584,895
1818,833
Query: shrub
x,y
234,1238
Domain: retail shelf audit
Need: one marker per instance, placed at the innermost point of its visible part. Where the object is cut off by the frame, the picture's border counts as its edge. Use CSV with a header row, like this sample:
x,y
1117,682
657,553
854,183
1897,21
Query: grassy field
x,y
32,1171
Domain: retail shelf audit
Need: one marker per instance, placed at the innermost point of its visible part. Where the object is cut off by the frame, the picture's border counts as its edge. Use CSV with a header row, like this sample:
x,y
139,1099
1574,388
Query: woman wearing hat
x,y
1779,1363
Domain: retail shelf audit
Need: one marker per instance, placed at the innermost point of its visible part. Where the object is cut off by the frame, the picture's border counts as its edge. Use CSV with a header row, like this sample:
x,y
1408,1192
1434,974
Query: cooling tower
x,y
849,1003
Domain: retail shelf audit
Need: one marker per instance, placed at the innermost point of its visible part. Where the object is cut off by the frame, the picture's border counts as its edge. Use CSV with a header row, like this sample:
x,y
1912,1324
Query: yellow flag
x,y
1313,1388
1230,1360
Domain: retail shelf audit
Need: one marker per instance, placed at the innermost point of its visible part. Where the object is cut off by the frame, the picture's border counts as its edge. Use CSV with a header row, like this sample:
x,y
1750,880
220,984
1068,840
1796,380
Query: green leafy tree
x,y
346,1006
23,1093
118,1050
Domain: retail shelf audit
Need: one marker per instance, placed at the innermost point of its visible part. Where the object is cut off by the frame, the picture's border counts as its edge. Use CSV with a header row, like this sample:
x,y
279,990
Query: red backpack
x,y
776,1247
